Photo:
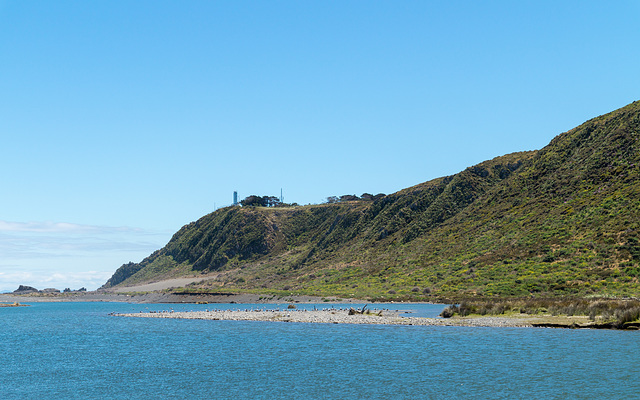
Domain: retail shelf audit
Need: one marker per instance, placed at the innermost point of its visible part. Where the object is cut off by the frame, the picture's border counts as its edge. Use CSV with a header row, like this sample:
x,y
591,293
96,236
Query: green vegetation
x,y
611,312
560,221
264,201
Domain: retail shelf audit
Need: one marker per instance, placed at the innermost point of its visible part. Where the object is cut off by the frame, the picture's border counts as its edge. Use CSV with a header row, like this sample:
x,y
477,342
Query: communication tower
x,y
235,198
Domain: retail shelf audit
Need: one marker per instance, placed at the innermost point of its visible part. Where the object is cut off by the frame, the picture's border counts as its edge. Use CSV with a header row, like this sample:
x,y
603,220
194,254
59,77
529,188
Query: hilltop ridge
x,y
560,220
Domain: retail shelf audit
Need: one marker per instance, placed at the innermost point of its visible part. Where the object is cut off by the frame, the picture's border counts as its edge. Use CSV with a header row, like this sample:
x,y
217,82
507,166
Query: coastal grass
x,y
615,312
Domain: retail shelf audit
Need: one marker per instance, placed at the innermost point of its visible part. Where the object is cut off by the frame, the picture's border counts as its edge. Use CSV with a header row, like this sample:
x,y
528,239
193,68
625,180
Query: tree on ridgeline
x,y
264,201
351,197
371,197
253,201
332,199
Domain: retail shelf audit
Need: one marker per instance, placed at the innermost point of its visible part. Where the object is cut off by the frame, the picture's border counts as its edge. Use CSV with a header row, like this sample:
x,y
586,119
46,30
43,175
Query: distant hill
x,y
563,220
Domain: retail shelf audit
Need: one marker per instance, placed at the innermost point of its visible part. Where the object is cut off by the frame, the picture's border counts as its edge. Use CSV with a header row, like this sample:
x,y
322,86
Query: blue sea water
x,y
78,351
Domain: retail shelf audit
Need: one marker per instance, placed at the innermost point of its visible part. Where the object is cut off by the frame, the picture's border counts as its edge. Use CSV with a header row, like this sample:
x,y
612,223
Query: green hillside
x,y
563,220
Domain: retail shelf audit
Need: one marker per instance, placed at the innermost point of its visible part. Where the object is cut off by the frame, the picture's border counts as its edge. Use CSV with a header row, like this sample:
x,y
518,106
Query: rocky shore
x,y
15,304
330,316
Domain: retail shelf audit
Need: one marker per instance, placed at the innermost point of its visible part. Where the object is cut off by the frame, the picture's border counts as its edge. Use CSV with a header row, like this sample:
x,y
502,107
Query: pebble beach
x,y
331,316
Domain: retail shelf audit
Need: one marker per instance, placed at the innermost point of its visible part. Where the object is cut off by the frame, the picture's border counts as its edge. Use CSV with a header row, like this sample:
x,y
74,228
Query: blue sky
x,y
121,121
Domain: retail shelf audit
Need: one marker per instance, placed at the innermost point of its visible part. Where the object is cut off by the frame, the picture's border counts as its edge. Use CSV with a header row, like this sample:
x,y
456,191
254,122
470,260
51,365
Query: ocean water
x,y
78,351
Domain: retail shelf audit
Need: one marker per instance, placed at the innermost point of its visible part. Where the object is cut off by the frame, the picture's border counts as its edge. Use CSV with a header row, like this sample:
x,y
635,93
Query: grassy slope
x,y
562,220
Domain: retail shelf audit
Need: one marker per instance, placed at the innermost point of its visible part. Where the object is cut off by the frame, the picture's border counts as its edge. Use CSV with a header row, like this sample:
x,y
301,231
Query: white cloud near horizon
x,y
10,280
60,254
61,227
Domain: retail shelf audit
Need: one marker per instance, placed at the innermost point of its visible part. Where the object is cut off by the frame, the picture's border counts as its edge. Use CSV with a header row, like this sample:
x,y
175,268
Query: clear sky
x,y
121,121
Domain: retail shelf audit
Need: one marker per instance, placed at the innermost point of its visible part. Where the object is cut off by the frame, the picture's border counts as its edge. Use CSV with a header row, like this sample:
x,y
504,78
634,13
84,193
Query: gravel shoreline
x,y
160,297
329,317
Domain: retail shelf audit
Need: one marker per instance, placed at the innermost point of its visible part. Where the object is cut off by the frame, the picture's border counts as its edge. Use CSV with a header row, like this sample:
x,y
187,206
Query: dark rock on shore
x,y
22,289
